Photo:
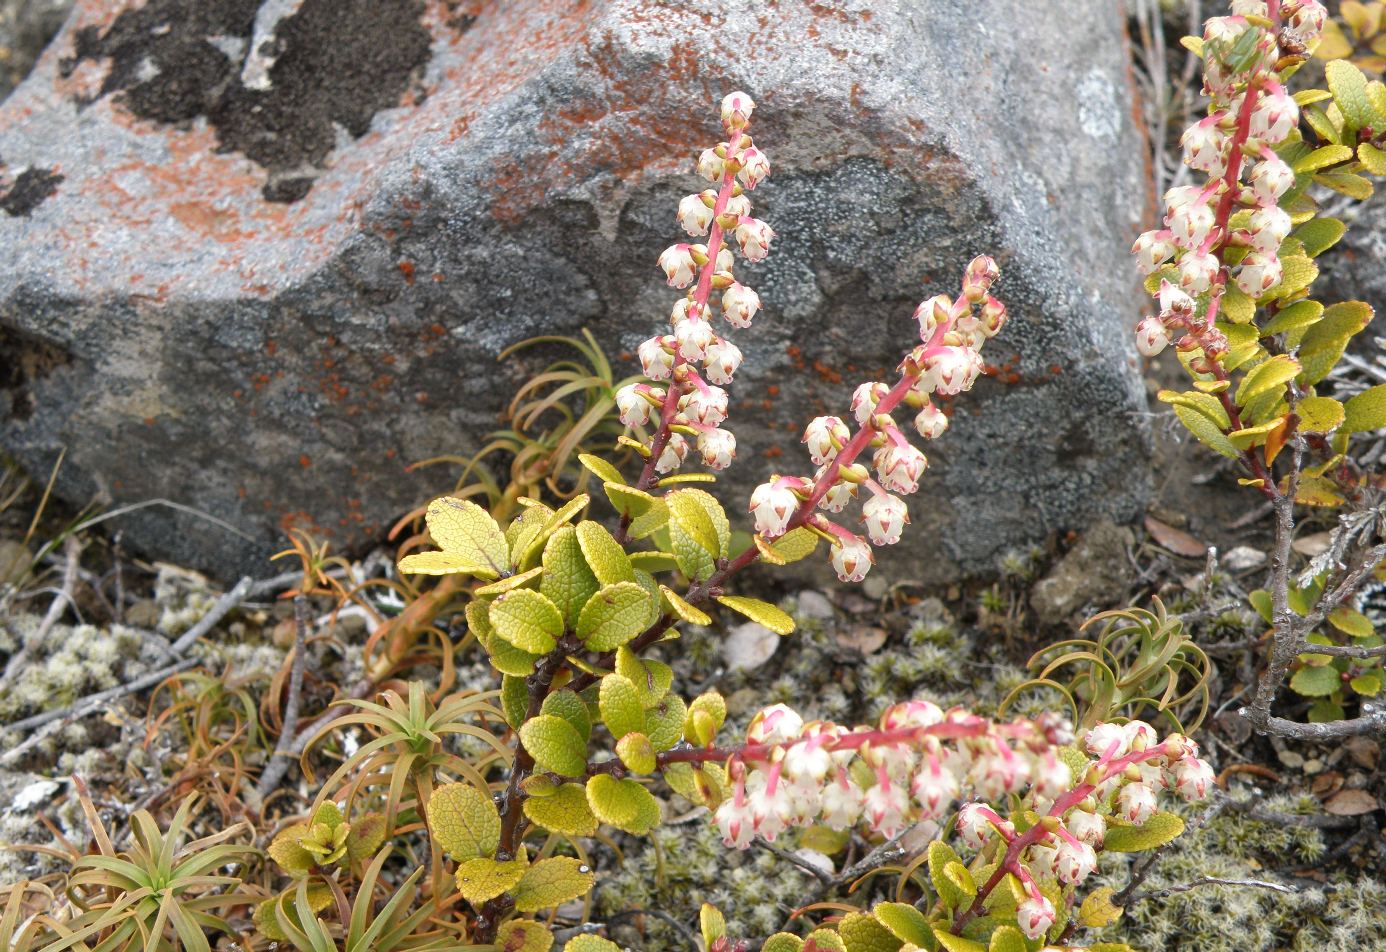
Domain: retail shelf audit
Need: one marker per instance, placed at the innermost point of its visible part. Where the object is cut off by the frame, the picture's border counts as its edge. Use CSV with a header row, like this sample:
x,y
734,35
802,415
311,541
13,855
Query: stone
x,y
748,646
814,605
263,254
1092,574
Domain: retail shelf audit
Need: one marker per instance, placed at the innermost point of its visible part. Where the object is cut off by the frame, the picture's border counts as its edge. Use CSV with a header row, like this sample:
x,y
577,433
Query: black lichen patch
x,y
335,64
31,188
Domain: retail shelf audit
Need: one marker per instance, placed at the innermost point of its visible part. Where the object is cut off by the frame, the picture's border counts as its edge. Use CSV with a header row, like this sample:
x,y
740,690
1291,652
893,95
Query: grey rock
x,y
748,646
266,254
1090,575
1243,558
814,604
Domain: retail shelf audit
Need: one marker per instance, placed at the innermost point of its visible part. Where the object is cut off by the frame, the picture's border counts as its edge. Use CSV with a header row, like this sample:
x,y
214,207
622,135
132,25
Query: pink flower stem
x,y
760,753
701,293
1010,862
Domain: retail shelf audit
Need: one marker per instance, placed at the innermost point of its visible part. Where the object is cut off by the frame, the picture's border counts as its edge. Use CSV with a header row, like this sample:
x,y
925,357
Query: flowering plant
x,y
1233,270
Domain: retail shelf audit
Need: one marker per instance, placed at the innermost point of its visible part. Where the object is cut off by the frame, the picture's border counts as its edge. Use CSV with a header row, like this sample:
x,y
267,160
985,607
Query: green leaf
x,y
507,659
604,554
862,933
464,821
1205,431
366,836
613,616
1007,939
527,620
783,942
1249,436
826,940
1350,621
620,706
483,878
624,804
700,515
565,812
514,699
1297,273
954,943
1366,411
1156,831
1349,88
508,584
1205,403
681,608
600,468
1319,234
555,745
590,943
1321,124
1297,315
1322,158
1373,158
650,677
1266,376
552,882
791,547
1323,344
637,753
940,855
763,613
1237,307
556,520
664,721
704,718
1316,682
1368,683
1097,910
571,708
567,581
959,876
1261,601
319,896
651,561
524,528
1319,414
904,921
711,923
524,935
462,528
629,501
285,849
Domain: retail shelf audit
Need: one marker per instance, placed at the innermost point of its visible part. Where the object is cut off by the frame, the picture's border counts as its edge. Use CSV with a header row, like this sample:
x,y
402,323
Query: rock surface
x,y
261,255
26,26
1092,574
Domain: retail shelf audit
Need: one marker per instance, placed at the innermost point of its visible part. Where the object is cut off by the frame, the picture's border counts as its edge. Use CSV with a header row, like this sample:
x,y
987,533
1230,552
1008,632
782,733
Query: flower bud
x,y
930,422
886,517
771,508
711,166
993,317
1258,274
885,806
677,263
1224,30
694,336
721,357
1152,249
1087,826
694,216
1107,740
633,407
864,400
1174,303
981,273
754,237
899,466
1136,802
1190,224
1269,228
739,305
738,207
1074,862
754,167
776,724
657,357
674,453
1203,146
1034,916
1270,178
1274,115
707,406
931,313
973,825
852,559
1197,271
820,435
1151,336
736,110
1193,778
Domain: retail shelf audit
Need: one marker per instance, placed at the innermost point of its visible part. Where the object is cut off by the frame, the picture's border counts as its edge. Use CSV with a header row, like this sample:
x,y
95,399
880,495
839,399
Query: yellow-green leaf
x,y
527,550
790,547
565,812
664,721
1204,403
604,554
483,878
555,745
1007,939
525,935
600,468
1098,910
1319,414
681,608
1237,307
567,581
1265,376
552,882
1323,344
1249,436
571,708
1346,183
527,620
637,753
1205,431
1297,315
776,619
1297,273
1156,831
1373,158
1366,411
619,703
862,933
1322,158
590,943
463,528
624,804
464,821
1349,88
1319,234
904,921
1316,681
650,677
285,850
509,584
1352,622
613,616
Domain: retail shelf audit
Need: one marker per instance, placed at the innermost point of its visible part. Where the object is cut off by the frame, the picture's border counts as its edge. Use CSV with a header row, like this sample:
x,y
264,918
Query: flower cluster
x,y
1231,227
920,760
946,362
695,360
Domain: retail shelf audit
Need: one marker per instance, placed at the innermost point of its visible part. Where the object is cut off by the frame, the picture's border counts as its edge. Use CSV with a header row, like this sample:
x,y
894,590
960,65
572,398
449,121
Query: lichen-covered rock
x,y
1092,574
261,255
26,26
